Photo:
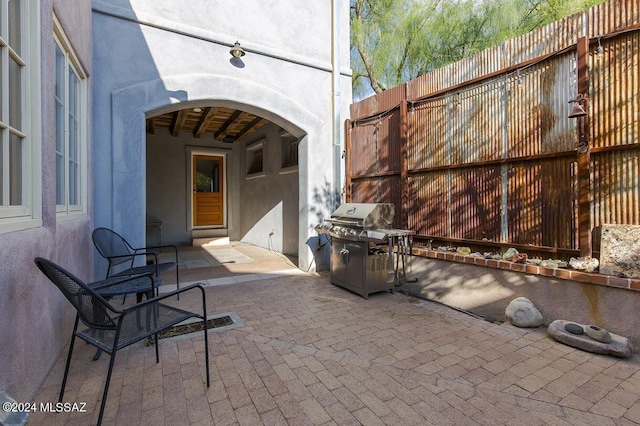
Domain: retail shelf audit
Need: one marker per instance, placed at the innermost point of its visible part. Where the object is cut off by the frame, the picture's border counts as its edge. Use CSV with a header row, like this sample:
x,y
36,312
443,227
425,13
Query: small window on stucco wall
x,y
289,150
255,154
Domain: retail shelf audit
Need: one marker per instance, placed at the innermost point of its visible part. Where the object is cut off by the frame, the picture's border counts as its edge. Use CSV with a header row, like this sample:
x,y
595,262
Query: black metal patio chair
x,y
121,255
110,329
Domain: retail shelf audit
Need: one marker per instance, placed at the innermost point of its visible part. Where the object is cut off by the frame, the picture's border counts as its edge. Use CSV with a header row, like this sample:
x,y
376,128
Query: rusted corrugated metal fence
x,y
482,152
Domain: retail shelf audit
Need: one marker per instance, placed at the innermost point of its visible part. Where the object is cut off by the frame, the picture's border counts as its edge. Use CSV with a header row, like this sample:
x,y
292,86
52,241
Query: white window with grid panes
x,y
20,112
70,112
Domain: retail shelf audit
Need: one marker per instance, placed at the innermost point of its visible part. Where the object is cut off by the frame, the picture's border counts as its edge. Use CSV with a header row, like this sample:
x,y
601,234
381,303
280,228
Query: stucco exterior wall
x,y
151,55
270,200
168,183
35,319
255,204
487,291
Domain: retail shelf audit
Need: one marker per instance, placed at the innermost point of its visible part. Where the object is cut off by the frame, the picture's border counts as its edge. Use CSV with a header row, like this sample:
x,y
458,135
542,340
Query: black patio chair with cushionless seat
x,y
110,329
122,255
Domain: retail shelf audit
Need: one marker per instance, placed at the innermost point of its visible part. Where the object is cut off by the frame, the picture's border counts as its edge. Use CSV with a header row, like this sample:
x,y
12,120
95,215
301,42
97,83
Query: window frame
x,y
255,160
28,214
289,152
71,63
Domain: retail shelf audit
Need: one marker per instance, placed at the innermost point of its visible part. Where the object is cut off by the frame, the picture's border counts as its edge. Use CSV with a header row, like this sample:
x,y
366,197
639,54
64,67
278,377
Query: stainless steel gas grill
x,y
362,247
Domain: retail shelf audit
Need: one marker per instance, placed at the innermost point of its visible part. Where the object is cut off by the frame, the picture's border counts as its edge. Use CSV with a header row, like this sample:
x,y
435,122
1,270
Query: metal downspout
x,y
336,126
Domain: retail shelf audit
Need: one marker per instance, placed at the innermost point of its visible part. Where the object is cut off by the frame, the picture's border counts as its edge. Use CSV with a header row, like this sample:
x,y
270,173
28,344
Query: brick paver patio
x,y
310,353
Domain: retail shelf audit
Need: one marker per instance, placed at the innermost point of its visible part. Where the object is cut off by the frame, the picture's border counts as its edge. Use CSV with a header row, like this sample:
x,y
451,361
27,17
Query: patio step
x,y
210,241
204,237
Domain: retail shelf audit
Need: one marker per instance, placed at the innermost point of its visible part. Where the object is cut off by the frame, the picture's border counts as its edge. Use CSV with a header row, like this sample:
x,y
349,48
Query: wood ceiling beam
x,y
248,127
178,122
220,122
205,119
227,123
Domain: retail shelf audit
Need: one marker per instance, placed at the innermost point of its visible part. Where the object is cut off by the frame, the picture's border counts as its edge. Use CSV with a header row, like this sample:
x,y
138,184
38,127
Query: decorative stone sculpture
x,y
510,253
522,313
597,333
554,263
587,264
618,346
574,328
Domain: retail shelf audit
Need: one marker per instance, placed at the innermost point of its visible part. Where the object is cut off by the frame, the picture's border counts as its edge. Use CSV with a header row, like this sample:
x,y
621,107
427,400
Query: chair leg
x,y
68,363
177,273
96,356
206,349
177,277
177,283
206,334
155,341
106,386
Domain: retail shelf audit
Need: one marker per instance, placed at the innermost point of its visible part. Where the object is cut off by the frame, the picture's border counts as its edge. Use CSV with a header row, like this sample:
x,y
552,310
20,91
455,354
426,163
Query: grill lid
x,y
364,215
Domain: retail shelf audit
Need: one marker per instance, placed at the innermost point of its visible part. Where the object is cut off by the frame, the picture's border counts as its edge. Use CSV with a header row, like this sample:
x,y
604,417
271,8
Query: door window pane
x,y
207,175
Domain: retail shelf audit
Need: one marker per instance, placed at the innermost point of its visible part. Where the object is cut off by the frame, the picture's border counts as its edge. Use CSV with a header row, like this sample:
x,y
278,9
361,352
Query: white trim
x,y
213,152
29,213
288,170
255,176
58,33
68,211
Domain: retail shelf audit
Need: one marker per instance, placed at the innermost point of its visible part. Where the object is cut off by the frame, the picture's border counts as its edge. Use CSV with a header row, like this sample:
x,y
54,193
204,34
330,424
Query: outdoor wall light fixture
x,y
237,51
578,109
599,49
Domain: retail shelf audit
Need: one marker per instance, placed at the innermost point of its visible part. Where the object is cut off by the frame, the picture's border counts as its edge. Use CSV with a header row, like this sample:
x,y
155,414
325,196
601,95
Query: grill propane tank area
x,y
367,254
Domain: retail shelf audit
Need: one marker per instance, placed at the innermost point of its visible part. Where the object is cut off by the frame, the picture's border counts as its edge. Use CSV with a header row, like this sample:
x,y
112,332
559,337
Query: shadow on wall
x,y
487,292
479,290
325,201
120,185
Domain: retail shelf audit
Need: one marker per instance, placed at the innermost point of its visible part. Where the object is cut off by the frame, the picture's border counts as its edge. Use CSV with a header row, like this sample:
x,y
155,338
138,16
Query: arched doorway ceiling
x,y
225,124
229,109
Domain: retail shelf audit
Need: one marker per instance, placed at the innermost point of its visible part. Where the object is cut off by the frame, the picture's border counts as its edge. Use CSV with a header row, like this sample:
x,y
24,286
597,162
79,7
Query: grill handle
x,y
344,256
350,223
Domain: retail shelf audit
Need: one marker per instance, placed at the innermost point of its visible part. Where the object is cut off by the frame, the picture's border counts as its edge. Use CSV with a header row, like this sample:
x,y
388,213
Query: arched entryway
x,y
124,198
216,173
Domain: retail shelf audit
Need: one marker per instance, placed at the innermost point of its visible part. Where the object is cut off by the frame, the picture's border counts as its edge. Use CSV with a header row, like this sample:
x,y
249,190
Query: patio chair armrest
x,y
150,250
118,256
157,299
106,283
162,246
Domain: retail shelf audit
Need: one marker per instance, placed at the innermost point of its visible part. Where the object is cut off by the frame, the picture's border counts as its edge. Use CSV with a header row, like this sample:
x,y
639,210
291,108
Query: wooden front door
x,y
208,197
